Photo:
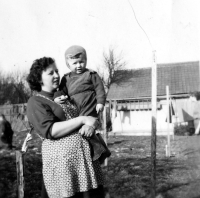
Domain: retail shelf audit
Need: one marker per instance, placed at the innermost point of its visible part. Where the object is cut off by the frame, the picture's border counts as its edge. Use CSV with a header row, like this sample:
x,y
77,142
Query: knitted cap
x,y
74,50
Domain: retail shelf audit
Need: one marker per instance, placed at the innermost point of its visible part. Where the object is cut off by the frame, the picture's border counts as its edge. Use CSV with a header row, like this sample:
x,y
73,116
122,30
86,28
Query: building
x,y
130,96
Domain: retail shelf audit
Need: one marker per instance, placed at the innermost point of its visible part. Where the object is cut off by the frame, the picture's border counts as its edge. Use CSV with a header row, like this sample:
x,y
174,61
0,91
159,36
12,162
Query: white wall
x,y
139,122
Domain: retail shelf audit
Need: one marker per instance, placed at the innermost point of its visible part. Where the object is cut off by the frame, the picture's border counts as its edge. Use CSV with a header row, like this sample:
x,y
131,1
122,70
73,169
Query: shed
x,y
130,93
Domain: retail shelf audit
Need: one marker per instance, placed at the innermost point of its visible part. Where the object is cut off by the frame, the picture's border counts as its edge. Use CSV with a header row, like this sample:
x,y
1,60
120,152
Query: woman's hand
x,y
87,131
91,121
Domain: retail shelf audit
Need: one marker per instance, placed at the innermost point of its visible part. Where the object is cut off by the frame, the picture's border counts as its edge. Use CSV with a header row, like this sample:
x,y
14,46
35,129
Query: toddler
x,y
84,87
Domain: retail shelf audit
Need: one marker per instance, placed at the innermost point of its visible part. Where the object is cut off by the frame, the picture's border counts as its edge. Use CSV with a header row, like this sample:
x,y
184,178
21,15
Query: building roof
x,y
182,78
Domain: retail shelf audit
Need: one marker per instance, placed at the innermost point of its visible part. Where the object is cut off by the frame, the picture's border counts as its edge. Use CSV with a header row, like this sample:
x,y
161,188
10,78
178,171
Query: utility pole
x,y
153,124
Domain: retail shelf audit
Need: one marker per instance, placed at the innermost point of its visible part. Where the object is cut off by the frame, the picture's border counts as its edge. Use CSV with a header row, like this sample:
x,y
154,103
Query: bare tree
x,y
13,88
112,62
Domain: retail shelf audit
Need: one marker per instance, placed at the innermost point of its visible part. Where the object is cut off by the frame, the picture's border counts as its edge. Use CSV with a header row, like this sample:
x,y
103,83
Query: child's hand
x,y
60,99
99,108
86,131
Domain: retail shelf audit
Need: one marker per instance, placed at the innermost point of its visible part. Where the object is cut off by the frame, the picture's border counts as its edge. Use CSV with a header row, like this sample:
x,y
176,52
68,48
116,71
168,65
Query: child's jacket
x,y
85,89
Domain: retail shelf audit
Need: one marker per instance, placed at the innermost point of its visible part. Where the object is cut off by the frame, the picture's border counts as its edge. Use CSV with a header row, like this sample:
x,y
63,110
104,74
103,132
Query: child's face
x,y
77,65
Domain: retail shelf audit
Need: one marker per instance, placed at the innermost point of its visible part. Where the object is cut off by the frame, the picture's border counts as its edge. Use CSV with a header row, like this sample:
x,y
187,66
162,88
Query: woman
x,y
6,131
68,170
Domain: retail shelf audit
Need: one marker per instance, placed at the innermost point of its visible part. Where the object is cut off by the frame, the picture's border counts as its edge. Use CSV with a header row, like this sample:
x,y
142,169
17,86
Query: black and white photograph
x,y
99,99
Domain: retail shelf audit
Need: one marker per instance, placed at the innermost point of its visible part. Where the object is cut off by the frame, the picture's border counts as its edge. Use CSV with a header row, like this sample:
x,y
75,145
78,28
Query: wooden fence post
x,y
20,174
168,147
105,132
154,125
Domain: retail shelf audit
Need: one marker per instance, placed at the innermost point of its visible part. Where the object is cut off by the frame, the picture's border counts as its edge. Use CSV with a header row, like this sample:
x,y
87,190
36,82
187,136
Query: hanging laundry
x,y
115,108
185,110
171,112
196,112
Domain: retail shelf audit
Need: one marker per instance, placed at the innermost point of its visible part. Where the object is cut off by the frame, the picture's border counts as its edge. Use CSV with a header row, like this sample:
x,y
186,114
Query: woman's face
x,y
50,78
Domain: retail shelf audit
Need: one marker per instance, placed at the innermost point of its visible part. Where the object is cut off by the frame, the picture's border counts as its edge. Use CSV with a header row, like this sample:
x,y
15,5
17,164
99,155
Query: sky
x,y
31,29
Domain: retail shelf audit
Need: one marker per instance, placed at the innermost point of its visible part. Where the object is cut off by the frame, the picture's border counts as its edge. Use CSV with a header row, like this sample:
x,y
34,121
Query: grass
x,y
127,175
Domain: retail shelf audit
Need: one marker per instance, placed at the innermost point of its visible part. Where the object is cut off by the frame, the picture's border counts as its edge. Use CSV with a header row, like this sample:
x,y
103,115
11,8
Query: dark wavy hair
x,y
34,78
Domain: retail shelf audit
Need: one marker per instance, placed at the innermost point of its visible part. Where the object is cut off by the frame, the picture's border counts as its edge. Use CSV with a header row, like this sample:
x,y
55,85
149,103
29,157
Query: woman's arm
x,y
41,116
61,129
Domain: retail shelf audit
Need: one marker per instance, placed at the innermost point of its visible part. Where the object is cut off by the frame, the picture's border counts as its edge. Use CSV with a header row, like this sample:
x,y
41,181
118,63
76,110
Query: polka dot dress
x,y
67,164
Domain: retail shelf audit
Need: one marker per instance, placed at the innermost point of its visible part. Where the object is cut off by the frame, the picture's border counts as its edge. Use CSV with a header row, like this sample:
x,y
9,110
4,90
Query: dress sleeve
x,y
99,88
40,115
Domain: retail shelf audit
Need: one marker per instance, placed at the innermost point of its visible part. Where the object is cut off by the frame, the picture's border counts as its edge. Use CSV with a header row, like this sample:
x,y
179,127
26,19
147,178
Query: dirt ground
x,y
177,176
128,172
187,150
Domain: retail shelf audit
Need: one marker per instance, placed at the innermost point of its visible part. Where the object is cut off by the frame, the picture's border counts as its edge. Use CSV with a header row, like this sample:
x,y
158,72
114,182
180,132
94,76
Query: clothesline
x,y
183,109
